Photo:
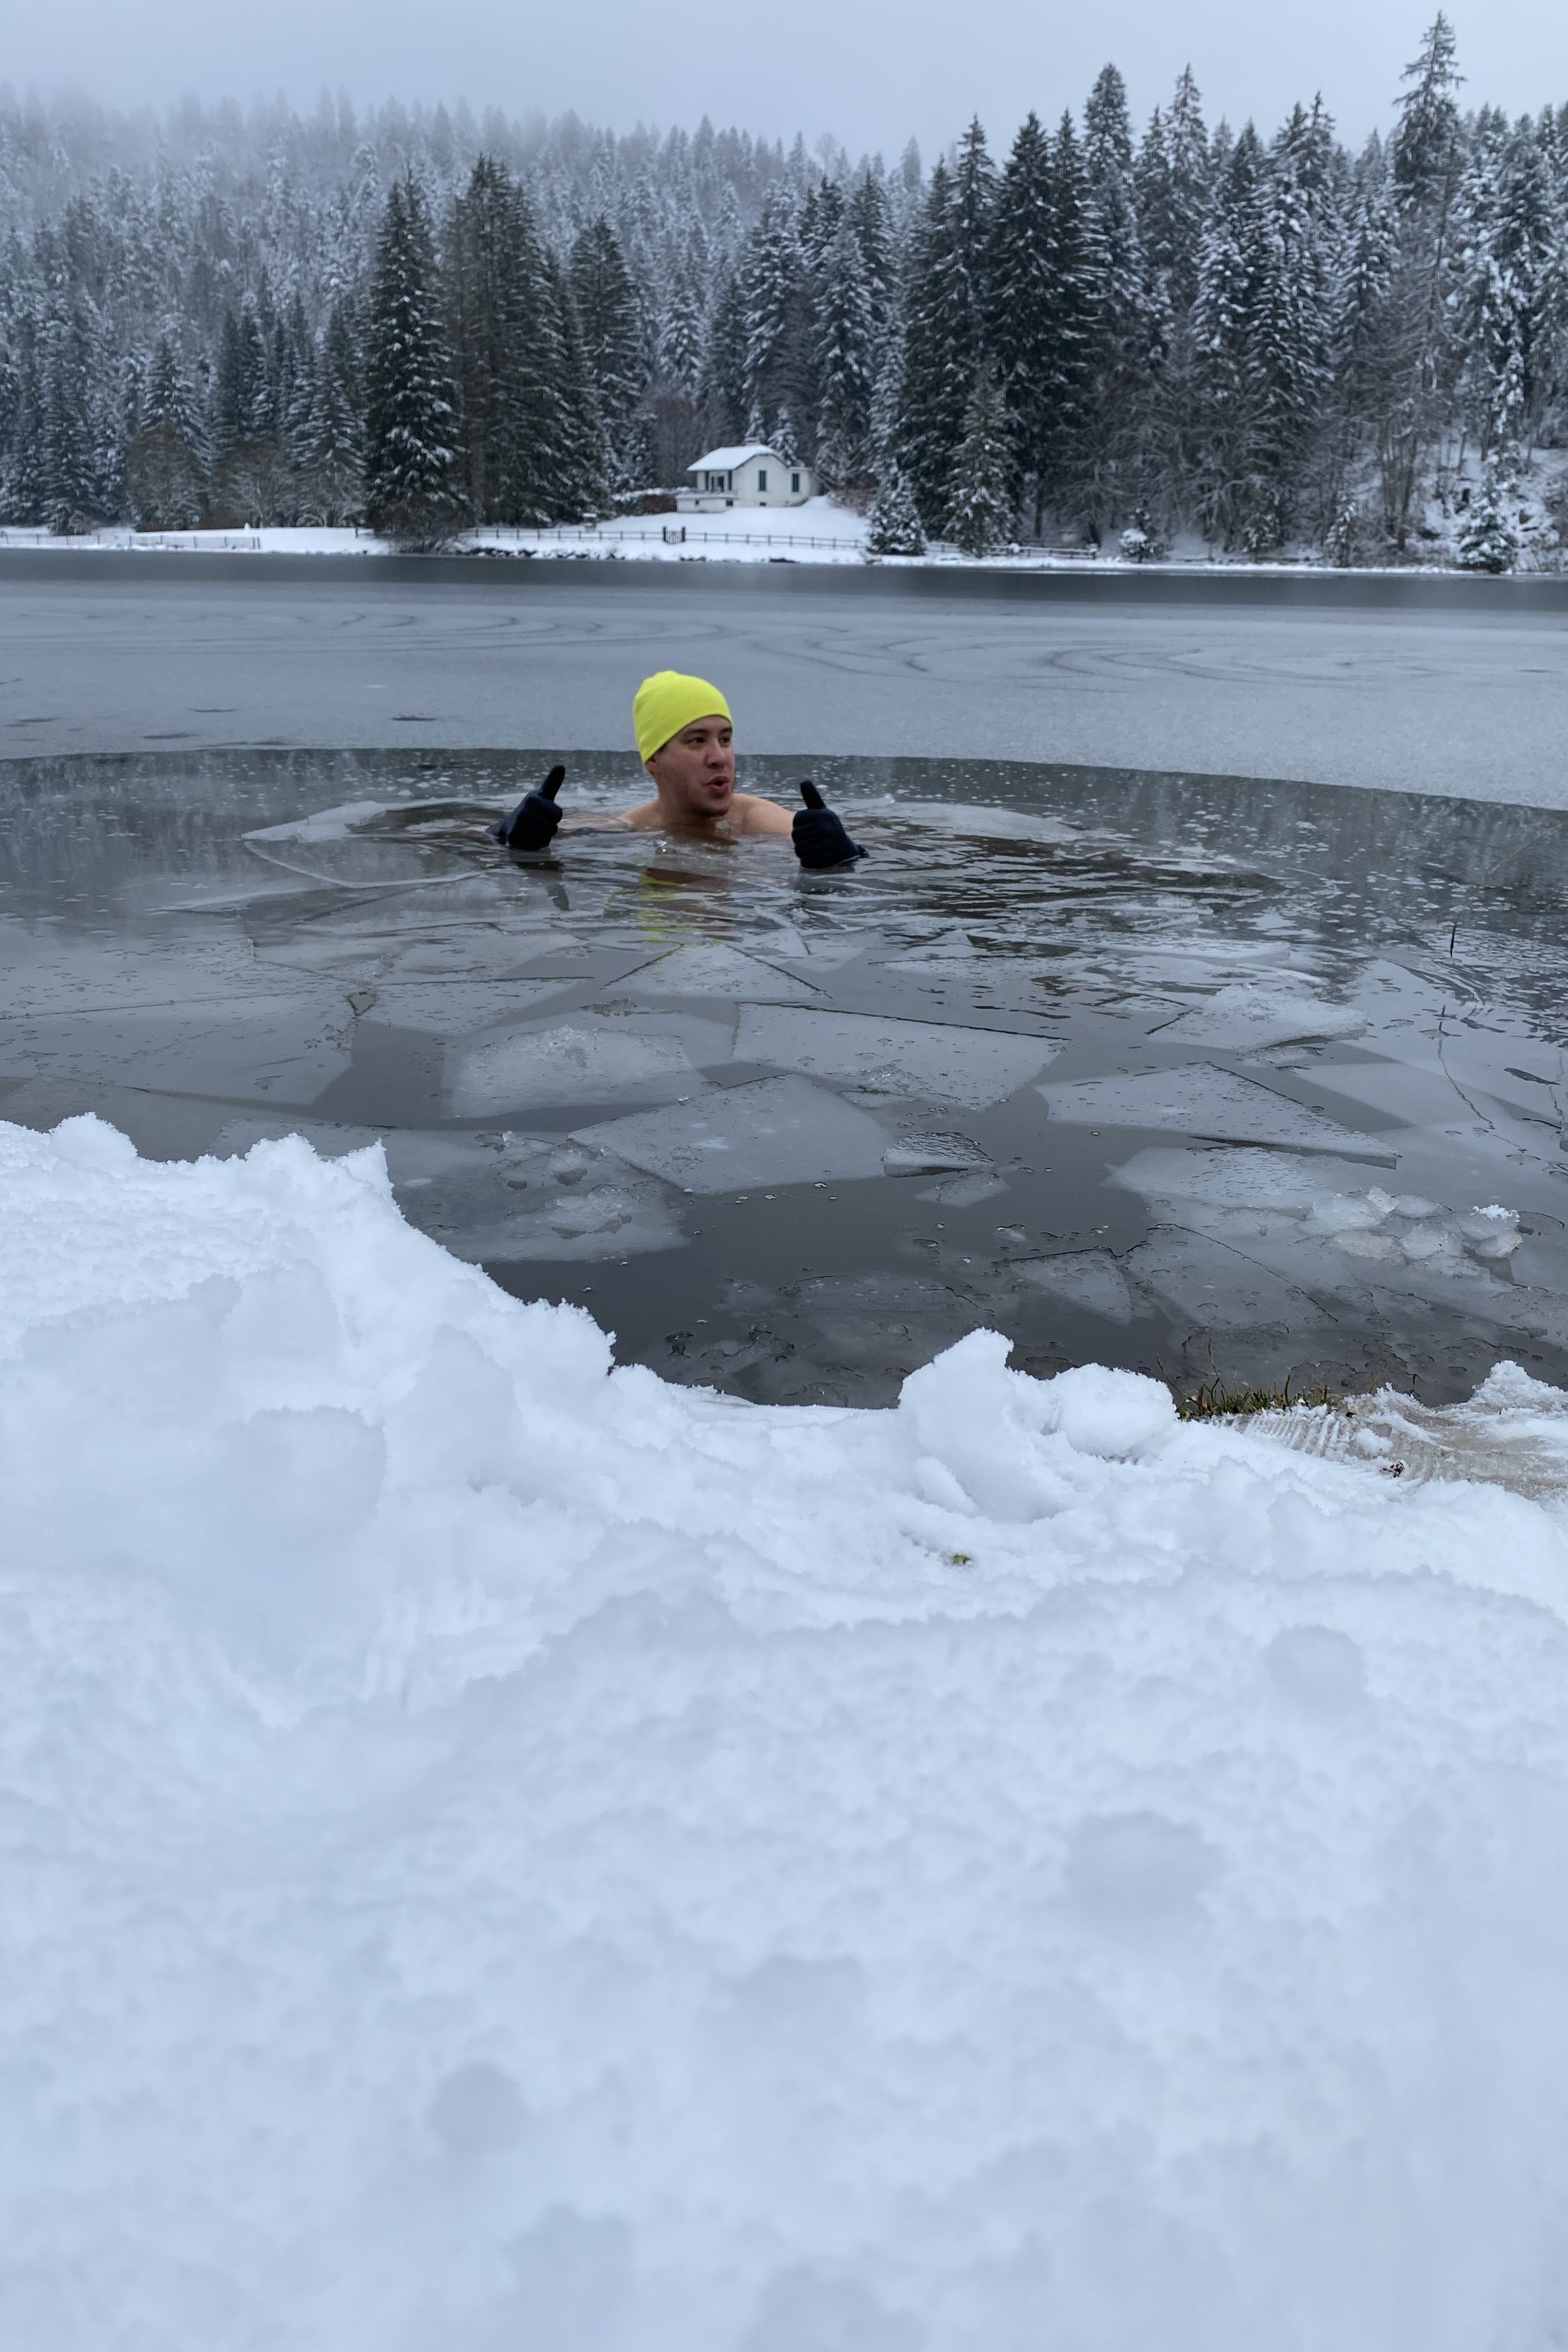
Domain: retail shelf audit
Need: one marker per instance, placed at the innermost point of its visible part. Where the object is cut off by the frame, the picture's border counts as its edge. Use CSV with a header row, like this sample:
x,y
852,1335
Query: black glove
x,y
819,837
534,819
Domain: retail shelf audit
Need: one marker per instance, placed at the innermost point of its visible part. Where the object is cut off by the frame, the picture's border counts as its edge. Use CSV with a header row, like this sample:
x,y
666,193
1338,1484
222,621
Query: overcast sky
x,y
869,71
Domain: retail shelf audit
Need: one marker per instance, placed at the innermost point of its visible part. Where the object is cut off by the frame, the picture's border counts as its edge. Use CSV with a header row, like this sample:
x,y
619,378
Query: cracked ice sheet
x,y
1213,1103
1220,1288
939,1062
774,1131
1090,1280
714,969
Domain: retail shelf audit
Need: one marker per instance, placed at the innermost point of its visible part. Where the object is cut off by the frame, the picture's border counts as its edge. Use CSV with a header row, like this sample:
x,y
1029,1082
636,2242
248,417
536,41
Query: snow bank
x,y
502,1852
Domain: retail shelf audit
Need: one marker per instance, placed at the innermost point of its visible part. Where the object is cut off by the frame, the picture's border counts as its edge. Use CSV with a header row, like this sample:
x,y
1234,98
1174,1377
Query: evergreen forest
x,y
422,320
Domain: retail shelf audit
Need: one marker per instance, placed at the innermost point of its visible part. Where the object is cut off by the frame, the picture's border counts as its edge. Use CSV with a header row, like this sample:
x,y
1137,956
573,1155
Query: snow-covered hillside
x,y
500,1851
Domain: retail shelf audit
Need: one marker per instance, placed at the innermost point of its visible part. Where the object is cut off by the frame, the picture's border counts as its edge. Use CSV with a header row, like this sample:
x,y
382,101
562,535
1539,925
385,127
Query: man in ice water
x,y
686,741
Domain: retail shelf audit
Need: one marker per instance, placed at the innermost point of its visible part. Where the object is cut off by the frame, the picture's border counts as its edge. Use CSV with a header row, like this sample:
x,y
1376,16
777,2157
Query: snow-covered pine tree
x,y
946,322
609,321
868,214
774,281
76,461
1512,227
240,397
335,479
1078,303
585,468
981,508
1294,304
1230,420
165,473
1108,472
1427,157
410,397
895,519
1487,539
1023,282
845,358
723,391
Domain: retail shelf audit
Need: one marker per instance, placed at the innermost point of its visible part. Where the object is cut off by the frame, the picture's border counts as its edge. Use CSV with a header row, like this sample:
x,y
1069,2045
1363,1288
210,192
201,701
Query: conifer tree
x,y
410,396
895,519
1120,360
946,322
1022,292
607,318
845,359
336,453
1427,158
981,507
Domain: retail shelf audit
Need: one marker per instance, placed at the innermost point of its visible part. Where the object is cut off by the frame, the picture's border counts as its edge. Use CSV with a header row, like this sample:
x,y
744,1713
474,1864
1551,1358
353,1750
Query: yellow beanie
x,y
667,702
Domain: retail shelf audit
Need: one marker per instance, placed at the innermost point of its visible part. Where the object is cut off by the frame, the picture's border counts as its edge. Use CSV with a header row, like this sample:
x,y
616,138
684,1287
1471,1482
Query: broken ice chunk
x,y
938,1061
931,1155
774,1131
1215,1104
1346,1213
1361,1244
1245,1016
964,1191
1220,1288
572,1062
1088,1279
710,969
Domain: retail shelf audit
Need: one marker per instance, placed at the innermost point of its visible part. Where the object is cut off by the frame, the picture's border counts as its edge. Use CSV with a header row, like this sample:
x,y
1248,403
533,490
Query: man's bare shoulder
x,y
758,815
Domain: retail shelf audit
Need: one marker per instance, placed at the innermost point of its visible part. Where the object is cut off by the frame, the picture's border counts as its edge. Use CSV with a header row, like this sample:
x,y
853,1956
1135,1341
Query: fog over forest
x,y
425,320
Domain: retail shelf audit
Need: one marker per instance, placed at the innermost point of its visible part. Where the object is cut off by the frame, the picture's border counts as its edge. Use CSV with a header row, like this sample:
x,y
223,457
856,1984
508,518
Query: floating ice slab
x,y
1230,1177
776,1131
1204,1101
454,1008
938,1061
714,969
1245,1017
1217,1288
932,1155
572,1062
1089,1279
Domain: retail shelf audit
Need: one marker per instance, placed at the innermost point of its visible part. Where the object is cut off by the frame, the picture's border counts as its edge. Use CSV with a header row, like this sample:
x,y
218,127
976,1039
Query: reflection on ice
x,y
601,1075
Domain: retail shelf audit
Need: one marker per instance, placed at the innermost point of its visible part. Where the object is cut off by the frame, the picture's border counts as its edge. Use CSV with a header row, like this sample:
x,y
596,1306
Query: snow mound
x,y
501,1852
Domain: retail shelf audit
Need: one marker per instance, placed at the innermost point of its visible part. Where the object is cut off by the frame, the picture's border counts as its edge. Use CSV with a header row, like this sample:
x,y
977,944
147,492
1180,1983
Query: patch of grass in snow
x,y
1218,1399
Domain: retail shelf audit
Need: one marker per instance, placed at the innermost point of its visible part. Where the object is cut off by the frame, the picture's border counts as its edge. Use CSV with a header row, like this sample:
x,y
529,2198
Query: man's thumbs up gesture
x,y
820,839
535,817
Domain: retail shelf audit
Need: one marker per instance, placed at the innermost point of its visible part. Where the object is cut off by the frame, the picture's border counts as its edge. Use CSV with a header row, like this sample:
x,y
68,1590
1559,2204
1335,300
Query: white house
x,y
754,475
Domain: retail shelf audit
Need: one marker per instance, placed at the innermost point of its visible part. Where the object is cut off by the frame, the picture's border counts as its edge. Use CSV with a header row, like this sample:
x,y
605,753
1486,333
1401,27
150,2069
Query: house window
x,y
761,478
794,481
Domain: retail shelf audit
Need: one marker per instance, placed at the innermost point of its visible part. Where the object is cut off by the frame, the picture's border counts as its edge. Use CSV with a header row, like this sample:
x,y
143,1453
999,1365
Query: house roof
x,y
724,461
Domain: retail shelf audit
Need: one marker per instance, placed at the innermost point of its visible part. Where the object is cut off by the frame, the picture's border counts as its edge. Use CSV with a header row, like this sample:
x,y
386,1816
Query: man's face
x,y
696,768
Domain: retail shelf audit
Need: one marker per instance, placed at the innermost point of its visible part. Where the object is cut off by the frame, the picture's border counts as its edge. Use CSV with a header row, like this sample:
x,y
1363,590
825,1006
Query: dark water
x,y
1176,1072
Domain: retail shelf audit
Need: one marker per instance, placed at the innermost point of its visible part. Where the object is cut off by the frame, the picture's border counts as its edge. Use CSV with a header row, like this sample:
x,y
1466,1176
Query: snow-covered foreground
x,y
505,1852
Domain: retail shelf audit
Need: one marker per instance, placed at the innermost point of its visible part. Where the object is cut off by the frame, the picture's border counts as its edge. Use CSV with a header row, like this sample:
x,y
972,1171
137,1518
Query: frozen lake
x,y
1172,1072
1428,684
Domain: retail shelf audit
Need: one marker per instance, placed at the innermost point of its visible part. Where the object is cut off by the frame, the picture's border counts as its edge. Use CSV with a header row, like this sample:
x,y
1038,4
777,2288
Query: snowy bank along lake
x,y
783,1831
